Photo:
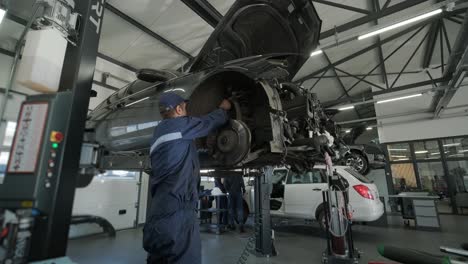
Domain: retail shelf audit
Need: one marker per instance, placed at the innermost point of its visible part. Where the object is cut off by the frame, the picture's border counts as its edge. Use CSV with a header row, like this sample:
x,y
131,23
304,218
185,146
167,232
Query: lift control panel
x,y
36,154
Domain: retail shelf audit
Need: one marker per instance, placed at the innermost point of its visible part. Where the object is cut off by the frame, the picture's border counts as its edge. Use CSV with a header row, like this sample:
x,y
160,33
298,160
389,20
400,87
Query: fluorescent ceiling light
x,y
398,156
399,98
369,128
317,52
136,102
346,108
401,159
452,145
400,24
2,14
398,149
435,153
463,151
421,152
348,131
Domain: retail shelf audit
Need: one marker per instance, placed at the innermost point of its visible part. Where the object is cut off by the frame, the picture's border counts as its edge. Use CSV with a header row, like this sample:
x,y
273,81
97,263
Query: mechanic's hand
x,y
226,105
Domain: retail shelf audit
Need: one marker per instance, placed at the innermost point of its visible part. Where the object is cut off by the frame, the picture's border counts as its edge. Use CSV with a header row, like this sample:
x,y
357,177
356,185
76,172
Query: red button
x,y
59,136
56,136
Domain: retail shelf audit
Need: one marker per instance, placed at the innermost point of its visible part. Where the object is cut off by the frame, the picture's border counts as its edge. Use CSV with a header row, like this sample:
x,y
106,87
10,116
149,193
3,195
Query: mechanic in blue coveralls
x,y
171,233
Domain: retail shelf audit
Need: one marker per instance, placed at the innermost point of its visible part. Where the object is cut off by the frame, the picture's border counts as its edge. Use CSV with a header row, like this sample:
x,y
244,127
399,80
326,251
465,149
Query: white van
x,y
300,195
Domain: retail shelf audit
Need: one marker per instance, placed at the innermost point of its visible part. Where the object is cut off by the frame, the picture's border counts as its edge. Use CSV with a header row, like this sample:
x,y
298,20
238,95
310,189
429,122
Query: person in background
x,y
236,188
223,203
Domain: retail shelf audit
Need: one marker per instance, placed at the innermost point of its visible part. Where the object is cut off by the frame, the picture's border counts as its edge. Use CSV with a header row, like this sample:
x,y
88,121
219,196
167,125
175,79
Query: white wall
x,y
412,119
105,198
380,180
424,129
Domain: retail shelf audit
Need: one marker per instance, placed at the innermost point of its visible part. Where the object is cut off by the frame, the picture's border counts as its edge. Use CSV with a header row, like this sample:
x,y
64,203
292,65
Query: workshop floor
x,y
295,244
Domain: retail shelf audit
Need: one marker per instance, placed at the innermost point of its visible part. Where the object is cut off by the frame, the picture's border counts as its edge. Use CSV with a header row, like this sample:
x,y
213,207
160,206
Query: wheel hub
x,y
233,143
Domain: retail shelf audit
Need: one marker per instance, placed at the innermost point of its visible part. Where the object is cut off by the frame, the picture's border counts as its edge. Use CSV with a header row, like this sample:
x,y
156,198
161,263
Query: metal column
x,y
263,232
51,234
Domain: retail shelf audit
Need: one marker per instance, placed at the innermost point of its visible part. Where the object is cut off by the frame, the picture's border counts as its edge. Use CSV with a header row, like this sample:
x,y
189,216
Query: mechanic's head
x,y
172,105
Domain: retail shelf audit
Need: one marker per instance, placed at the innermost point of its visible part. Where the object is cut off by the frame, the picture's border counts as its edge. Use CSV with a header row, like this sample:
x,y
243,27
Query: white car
x,y
300,195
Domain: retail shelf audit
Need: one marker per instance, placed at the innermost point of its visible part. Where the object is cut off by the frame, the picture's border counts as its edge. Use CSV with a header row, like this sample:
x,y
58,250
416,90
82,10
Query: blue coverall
x,y
171,233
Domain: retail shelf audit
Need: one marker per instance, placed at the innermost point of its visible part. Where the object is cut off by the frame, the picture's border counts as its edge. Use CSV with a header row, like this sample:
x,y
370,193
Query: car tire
x,y
321,219
358,161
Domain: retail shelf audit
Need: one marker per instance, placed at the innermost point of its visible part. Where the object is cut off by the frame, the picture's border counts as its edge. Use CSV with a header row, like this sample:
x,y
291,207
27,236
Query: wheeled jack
x,y
340,244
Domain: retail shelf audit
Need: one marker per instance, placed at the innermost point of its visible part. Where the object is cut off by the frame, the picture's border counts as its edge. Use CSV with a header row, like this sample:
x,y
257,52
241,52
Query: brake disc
x,y
233,143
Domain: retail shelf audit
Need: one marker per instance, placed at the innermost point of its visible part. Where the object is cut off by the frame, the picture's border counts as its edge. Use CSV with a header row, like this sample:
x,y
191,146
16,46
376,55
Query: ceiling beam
x,y
373,16
430,44
204,10
340,82
368,48
363,80
7,52
376,8
447,40
453,70
361,75
368,96
147,30
409,60
342,6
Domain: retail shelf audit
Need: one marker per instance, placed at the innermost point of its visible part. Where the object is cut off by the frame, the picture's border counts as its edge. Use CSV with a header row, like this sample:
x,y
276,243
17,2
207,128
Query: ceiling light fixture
x,y
369,128
399,98
398,149
398,156
346,108
435,153
452,145
2,14
400,24
317,52
136,102
421,152
348,131
463,151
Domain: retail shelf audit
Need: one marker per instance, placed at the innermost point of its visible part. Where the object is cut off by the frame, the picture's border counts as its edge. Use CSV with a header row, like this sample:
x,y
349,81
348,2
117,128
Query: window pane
x,y
427,150
404,177
458,172
3,163
279,176
302,178
399,152
432,178
456,147
9,134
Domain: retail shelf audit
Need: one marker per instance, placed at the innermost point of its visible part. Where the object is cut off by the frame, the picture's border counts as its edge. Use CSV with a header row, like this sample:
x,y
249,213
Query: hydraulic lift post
x,y
263,233
50,186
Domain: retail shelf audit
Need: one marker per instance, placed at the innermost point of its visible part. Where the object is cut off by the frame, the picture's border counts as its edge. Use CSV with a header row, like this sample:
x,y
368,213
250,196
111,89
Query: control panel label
x,y
28,138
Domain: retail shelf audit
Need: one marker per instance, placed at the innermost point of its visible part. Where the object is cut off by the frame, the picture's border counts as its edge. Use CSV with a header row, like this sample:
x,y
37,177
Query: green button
x,y
55,145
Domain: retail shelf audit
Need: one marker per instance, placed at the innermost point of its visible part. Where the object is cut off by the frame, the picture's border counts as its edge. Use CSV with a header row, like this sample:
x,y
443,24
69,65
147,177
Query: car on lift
x,y
299,195
272,121
364,158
